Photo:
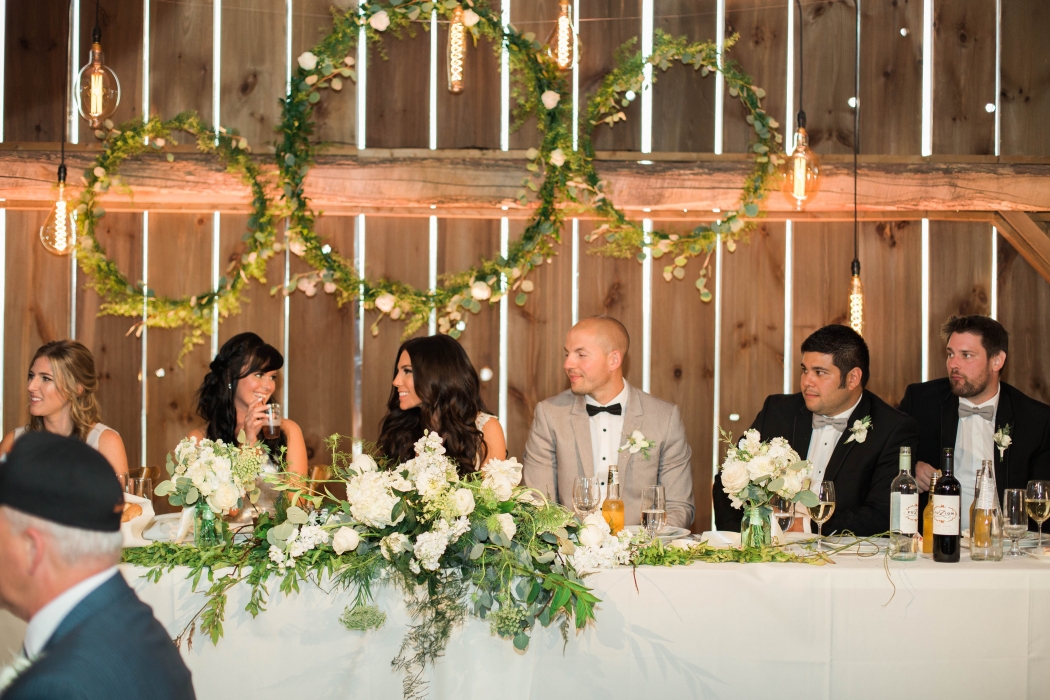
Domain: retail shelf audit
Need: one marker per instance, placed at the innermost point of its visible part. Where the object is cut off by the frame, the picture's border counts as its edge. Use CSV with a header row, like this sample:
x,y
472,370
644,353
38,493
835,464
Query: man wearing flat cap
x,y
89,636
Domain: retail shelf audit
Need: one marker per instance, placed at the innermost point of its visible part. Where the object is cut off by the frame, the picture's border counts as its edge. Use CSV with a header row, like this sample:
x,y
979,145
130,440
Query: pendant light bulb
x,y
563,44
58,234
98,91
800,173
457,51
856,300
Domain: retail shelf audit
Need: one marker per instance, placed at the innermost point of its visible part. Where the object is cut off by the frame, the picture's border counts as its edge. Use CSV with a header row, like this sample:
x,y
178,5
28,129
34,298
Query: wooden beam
x,y
482,183
1028,238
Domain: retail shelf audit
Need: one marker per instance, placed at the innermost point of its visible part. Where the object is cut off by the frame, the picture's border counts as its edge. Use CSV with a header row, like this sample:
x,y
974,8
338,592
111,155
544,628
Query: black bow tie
x,y
613,408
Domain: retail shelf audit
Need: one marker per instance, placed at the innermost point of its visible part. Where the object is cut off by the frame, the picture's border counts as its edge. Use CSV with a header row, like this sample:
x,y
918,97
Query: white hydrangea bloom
x,y
501,476
372,500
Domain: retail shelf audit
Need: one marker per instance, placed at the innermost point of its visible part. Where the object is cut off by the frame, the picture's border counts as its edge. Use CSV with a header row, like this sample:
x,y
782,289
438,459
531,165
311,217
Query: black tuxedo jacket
x,y
862,472
936,410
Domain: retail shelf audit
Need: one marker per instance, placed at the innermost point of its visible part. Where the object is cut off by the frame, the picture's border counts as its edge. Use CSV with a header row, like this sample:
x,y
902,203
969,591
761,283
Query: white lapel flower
x,y
1002,439
859,431
638,443
19,665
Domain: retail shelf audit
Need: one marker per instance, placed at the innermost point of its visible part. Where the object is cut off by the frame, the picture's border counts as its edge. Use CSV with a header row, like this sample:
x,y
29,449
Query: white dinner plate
x,y
667,534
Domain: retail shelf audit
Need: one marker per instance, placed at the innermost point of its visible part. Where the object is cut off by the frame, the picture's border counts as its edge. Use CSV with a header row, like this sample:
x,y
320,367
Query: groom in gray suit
x,y
580,432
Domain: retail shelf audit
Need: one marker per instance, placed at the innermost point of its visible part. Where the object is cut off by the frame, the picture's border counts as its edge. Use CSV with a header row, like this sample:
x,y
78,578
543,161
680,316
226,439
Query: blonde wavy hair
x,y
73,367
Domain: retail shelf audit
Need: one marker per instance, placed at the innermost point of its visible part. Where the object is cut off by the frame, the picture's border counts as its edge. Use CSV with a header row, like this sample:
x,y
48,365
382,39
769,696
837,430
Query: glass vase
x,y
755,530
209,530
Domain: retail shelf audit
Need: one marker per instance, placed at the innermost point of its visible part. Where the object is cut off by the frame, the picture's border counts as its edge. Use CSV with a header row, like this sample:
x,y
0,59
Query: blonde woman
x,y
62,385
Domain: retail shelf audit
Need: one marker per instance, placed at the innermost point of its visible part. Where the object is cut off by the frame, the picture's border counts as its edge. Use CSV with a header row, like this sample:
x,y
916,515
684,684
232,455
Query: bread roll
x,y
131,510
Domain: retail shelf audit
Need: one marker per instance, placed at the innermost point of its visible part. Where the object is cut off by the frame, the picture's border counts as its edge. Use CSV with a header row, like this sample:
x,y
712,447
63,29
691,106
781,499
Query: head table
x,y
702,631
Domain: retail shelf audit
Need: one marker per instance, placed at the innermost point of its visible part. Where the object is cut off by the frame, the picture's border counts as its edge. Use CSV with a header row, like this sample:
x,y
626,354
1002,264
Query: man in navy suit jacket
x,y
89,636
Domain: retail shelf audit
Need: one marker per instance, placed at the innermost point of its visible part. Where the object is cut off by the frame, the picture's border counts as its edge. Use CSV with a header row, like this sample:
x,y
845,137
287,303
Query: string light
x,y
856,300
800,171
856,289
563,44
99,89
457,50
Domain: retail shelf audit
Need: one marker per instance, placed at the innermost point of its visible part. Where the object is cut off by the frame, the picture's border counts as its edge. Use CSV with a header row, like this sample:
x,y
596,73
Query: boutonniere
x,y
1002,439
859,431
638,443
19,665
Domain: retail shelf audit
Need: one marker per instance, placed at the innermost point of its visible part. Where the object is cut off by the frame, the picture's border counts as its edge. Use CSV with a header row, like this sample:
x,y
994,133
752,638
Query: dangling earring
x,y
230,386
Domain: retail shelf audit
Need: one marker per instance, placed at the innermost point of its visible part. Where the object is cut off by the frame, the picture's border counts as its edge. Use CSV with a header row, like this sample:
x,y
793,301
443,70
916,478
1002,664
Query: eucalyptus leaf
x,y
521,641
476,551
164,488
807,498
192,495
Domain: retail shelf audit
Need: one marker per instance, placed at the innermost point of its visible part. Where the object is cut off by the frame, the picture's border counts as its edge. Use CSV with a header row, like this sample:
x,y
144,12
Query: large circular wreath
x,y
560,181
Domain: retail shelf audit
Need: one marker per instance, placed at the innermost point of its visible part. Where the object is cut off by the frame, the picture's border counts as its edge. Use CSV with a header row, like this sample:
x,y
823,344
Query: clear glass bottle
x,y
976,495
612,506
927,515
986,525
904,512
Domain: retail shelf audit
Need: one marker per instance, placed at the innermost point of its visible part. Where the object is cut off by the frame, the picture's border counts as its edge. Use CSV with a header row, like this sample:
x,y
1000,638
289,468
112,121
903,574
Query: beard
x,y
966,388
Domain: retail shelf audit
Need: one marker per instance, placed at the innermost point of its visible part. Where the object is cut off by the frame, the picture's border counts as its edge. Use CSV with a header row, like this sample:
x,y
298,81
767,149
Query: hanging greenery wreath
x,y
561,181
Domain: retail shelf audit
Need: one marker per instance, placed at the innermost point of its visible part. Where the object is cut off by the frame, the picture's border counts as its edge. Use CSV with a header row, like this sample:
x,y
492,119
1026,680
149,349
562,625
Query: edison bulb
x,y
99,89
563,44
800,172
58,234
457,50
856,304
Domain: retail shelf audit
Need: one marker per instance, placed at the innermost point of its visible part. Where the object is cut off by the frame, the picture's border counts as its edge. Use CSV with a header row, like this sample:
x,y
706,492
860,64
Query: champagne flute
x,y
654,509
824,509
1038,498
1015,520
586,496
783,511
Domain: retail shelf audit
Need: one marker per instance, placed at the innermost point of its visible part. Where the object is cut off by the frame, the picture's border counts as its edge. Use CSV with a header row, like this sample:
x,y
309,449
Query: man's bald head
x,y
609,332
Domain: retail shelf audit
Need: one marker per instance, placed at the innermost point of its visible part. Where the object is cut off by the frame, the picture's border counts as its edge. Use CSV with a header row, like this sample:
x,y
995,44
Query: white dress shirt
x,y
822,443
606,432
974,443
49,617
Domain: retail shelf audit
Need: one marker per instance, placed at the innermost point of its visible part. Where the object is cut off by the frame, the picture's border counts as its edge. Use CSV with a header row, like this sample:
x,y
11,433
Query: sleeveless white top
x,y
92,437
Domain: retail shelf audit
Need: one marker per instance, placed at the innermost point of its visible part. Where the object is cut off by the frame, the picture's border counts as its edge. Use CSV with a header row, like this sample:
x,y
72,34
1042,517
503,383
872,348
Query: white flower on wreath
x,y
859,431
550,99
19,665
1002,439
379,21
469,18
480,291
557,158
385,302
307,61
636,443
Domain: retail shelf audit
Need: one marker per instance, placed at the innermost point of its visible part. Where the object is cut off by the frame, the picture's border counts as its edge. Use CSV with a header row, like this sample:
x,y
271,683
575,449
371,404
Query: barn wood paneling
x,y
829,61
604,27
1025,80
761,51
180,58
34,70
684,102
470,119
254,69
963,76
398,114
335,116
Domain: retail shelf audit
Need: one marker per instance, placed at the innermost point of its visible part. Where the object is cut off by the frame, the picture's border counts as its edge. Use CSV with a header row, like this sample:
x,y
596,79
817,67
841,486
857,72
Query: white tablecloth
x,y
706,631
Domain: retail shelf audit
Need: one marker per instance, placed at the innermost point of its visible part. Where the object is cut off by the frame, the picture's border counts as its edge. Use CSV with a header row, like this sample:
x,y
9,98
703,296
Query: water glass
x,y
125,482
143,488
1015,520
783,511
586,496
1038,504
654,509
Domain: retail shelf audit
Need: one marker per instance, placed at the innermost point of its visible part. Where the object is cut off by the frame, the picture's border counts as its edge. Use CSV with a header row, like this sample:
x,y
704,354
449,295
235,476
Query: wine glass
x,y
825,507
783,511
586,496
1015,520
1038,498
654,509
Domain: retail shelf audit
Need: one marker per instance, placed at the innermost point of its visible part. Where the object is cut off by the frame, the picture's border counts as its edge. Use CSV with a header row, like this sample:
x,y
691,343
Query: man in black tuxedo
x,y
970,407
822,423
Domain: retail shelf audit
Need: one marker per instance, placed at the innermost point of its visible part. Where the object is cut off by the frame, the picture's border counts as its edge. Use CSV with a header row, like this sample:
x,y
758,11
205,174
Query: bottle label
x,y
909,524
945,515
987,494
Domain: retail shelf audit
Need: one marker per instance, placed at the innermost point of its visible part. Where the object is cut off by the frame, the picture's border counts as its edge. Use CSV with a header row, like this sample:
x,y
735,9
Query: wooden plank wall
x,y
322,337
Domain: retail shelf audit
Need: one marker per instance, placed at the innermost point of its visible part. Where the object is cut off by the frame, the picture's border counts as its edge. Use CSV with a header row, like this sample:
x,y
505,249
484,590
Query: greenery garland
x,y
561,181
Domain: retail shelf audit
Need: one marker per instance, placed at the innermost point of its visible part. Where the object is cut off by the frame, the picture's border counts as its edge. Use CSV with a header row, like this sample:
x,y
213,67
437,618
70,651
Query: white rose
x,y
385,302
557,158
307,61
735,477
470,18
760,466
346,540
591,536
480,291
463,499
1006,441
363,463
224,498
379,21
506,523
792,483
598,521
550,99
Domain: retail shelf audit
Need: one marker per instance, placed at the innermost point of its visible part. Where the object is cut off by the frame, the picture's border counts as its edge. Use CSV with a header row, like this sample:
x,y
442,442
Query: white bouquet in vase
x,y
219,474
753,472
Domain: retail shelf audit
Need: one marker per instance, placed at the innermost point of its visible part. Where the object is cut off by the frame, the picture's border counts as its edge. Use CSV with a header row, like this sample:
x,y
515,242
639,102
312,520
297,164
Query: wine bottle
x,y
986,524
927,516
612,507
946,506
904,512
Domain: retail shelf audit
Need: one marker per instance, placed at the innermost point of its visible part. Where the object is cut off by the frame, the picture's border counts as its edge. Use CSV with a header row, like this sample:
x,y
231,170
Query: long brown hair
x,y
72,366
449,390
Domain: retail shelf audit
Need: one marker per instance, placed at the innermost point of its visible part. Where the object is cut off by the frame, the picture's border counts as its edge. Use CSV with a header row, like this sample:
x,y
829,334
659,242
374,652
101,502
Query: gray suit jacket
x,y
559,450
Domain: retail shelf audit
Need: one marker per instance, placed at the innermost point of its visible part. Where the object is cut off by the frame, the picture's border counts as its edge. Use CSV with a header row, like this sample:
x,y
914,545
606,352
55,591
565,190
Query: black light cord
x,y
801,72
856,145
65,98
96,33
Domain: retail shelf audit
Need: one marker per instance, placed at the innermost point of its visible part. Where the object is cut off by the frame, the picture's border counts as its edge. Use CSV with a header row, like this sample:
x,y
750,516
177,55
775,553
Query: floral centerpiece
x,y
213,478
753,472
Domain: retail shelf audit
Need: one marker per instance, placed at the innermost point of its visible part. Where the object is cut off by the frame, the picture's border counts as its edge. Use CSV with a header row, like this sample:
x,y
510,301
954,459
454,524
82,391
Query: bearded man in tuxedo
x,y
825,424
982,417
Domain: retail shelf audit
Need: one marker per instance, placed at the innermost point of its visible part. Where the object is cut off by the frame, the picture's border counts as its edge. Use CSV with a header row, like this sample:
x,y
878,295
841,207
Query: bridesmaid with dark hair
x,y
234,397
436,388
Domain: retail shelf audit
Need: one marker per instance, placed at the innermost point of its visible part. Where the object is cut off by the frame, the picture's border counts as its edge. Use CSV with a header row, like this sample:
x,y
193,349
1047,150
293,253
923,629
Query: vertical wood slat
x,y
335,116
618,21
261,312
538,17
964,76
829,35
761,51
118,356
253,69
121,24
470,119
891,77
399,91
36,307
181,58
462,243
34,71
684,102
1025,83
1024,298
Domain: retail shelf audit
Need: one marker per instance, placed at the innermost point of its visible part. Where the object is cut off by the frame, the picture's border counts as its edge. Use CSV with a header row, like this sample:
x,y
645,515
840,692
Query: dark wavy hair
x,y
846,347
448,387
240,356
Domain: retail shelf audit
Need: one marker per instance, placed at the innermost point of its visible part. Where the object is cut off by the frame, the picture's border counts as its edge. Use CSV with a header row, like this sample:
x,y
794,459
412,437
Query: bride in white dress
x,y
435,387
233,397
